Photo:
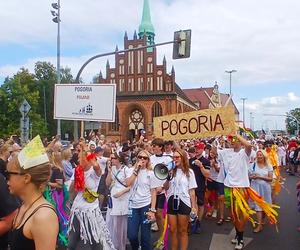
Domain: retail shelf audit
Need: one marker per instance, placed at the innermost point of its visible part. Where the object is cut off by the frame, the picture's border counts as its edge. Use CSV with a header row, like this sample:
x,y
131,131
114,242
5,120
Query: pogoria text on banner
x,y
86,102
196,124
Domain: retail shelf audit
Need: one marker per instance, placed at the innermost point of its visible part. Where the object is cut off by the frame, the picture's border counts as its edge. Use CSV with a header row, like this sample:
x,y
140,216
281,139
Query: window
x,y
150,84
122,85
140,84
156,110
159,83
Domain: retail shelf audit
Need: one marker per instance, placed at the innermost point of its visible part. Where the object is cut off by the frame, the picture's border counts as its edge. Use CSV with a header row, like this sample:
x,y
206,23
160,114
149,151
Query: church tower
x,y
146,28
144,87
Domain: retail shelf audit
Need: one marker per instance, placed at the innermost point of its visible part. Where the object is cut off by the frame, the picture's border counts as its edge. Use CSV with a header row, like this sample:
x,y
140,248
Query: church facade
x,y
145,89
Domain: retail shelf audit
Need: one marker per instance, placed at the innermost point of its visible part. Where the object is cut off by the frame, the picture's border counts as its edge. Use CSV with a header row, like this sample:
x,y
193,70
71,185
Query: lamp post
x,y
230,72
244,99
57,20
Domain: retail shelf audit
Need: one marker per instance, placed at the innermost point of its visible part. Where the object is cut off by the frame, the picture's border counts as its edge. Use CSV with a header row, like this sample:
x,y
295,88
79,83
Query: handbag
x,y
89,195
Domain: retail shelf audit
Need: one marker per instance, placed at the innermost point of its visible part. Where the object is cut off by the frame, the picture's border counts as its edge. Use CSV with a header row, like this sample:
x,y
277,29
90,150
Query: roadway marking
x,y
223,241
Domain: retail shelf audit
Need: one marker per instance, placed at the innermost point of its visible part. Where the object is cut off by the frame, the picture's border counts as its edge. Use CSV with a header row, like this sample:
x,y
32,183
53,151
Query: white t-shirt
x,y
165,159
181,184
236,166
140,193
281,151
91,181
120,204
102,162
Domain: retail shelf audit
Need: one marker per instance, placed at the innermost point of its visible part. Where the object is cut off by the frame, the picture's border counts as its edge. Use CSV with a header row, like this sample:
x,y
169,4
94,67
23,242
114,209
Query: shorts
x,y
160,201
216,186
200,193
182,210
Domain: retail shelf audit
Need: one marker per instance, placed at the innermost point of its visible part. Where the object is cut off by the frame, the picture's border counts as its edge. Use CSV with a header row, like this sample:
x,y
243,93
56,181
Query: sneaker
x,y
234,240
214,214
239,245
154,227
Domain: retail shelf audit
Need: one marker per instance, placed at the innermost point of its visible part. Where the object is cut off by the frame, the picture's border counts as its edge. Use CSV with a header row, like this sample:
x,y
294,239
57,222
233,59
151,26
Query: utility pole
x,y
56,19
230,72
244,99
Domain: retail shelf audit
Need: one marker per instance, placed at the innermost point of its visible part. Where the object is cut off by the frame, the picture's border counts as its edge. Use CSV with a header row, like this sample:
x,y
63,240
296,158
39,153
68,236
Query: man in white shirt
x,y
236,161
159,157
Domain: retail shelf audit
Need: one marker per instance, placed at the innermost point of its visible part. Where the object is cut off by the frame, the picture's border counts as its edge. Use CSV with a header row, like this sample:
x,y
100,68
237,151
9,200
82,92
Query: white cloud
x,y
260,39
270,111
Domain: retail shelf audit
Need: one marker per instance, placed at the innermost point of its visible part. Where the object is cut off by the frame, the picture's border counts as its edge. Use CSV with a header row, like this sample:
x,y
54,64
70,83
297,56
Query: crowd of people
x,y
109,194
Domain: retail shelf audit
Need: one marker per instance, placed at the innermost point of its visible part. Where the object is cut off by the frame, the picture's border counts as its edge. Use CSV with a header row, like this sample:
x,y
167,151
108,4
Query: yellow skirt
x,y
240,208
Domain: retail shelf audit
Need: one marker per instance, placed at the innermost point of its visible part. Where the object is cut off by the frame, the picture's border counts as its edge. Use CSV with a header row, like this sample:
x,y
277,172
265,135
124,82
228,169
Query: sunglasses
x,y
113,158
143,157
8,174
176,157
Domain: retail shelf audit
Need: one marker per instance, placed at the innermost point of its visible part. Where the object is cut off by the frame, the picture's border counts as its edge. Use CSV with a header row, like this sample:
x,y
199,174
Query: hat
x,y
98,150
200,145
92,143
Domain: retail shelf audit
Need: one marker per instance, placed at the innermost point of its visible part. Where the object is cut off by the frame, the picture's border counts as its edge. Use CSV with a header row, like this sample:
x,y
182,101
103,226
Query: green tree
x,y
12,93
38,90
291,122
46,77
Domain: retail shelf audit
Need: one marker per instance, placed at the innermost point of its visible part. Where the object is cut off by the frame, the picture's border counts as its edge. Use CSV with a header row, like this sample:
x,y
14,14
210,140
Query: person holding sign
x,y
236,162
36,224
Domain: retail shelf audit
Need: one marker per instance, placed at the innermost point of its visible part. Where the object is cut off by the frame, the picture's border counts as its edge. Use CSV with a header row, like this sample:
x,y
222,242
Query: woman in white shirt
x,y
142,201
181,200
117,213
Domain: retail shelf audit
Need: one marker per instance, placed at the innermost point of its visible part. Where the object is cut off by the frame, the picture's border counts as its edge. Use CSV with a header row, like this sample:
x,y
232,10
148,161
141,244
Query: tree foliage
x,y
291,120
38,89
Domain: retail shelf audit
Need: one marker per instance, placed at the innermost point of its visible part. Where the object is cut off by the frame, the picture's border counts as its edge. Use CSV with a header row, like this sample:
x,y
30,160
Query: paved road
x,y
215,237
286,239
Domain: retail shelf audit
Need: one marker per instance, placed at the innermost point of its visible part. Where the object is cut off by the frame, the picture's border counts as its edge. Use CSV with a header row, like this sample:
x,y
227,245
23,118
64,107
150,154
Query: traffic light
x,y
182,44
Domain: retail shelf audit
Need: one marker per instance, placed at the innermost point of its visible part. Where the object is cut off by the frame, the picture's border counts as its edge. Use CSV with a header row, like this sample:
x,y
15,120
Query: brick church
x,y
144,88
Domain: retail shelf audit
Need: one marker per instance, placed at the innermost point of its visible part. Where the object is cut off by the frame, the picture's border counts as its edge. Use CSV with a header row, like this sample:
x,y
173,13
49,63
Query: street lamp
x,y
56,19
244,99
230,72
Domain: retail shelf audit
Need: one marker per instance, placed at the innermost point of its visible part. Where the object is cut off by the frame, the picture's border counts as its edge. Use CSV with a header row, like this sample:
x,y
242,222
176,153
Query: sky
x,y
258,38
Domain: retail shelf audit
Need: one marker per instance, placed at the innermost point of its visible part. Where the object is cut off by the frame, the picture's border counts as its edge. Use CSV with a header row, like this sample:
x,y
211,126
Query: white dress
x,y
116,217
89,216
262,187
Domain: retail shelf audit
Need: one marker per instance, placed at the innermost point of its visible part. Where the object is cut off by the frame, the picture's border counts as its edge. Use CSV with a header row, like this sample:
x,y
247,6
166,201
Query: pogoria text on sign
x,y
196,124
86,102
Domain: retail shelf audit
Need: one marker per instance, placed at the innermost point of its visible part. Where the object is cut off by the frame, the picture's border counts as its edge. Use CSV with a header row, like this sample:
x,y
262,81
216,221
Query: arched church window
x,y
156,110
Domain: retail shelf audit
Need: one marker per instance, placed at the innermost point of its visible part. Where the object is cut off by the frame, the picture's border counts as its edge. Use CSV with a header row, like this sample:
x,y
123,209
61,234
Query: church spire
x,y
146,26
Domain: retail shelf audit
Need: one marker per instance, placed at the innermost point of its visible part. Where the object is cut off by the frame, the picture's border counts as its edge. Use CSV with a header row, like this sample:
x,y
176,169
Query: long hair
x,y
184,162
266,159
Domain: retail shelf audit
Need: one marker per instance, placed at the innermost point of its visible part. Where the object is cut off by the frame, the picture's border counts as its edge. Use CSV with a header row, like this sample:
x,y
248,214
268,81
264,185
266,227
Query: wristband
x,y
153,210
135,173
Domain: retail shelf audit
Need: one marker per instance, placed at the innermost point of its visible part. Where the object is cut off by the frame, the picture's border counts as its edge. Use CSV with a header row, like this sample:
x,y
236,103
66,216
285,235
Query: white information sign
x,y
85,102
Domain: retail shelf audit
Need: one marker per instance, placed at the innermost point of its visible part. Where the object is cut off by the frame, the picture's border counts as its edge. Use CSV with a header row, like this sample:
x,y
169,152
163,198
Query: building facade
x,y
146,90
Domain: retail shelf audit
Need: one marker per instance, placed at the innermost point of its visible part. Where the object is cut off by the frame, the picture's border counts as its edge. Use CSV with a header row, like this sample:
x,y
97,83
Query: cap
x,y
200,145
98,149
